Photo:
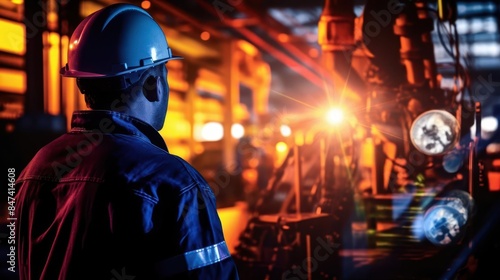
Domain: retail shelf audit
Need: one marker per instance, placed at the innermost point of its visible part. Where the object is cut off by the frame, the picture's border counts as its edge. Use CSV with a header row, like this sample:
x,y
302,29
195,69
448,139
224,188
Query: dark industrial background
x,y
300,198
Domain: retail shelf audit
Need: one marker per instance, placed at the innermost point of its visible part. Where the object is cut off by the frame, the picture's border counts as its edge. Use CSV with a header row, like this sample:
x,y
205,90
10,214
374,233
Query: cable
x,y
440,36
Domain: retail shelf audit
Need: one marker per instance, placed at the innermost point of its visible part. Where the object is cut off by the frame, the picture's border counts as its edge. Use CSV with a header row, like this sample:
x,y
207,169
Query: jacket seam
x,y
197,182
188,188
145,196
78,130
62,180
179,160
118,115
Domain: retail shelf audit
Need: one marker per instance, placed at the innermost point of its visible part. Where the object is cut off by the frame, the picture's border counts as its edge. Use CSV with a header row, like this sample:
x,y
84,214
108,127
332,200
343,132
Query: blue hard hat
x,y
116,40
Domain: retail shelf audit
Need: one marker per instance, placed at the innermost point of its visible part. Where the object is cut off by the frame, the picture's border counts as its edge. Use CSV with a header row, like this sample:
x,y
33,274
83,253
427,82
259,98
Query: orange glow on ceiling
x,y
283,38
146,5
248,48
313,52
205,35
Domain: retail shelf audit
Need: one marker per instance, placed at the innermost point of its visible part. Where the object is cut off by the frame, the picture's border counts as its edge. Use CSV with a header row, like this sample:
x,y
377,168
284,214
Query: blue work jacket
x,y
108,201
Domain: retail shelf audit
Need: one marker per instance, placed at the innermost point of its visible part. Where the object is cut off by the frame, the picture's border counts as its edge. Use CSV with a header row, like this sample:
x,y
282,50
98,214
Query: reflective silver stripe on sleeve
x,y
193,259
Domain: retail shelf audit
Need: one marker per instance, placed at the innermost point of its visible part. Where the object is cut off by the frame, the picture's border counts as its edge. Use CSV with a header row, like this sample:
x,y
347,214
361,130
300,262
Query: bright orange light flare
x,y
145,5
205,35
334,116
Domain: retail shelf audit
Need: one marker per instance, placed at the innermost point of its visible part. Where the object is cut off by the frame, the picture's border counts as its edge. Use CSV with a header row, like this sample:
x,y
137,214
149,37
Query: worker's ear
x,y
151,88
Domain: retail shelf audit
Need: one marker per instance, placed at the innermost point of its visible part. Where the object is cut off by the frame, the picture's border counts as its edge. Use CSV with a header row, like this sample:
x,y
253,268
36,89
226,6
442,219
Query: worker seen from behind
x,y
107,200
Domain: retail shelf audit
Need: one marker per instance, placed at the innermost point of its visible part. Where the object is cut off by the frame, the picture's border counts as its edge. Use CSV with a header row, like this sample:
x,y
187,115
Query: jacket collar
x,y
104,121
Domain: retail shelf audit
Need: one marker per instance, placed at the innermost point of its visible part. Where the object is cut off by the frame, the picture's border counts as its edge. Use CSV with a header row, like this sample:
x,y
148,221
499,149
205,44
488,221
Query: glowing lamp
x,y
435,132
489,125
145,5
334,116
285,130
212,131
446,221
281,147
237,131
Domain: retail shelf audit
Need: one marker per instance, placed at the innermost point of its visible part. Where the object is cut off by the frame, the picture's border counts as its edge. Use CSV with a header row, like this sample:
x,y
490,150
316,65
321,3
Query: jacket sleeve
x,y
202,252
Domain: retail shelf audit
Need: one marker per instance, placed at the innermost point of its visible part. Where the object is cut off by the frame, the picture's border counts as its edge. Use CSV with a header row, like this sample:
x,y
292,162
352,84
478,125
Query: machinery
x,y
400,177
388,180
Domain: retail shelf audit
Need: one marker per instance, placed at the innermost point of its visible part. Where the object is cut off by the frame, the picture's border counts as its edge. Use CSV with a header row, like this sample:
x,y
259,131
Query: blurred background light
x,y
212,131
489,125
334,116
285,130
205,35
237,131
146,5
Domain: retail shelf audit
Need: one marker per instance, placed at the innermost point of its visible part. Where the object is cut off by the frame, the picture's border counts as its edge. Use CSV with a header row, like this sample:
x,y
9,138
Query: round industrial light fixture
x,y
435,132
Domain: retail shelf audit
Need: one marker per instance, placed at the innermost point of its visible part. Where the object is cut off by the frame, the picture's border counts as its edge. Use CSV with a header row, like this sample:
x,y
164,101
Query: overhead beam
x,y
351,87
298,3
181,14
287,59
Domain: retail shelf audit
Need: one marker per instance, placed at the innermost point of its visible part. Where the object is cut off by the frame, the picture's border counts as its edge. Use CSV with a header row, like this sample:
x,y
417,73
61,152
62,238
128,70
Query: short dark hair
x,y
106,93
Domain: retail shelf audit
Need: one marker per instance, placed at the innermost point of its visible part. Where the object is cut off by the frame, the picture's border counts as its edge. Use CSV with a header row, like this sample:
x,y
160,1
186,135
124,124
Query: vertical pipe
x,y
231,82
36,24
478,121
378,168
308,253
336,37
472,156
417,53
191,96
297,177
322,162
430,69
473,153
68,20
410,38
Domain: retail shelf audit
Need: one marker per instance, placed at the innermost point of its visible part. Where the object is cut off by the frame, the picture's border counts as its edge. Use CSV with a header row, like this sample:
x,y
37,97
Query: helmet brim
x,y
65,72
